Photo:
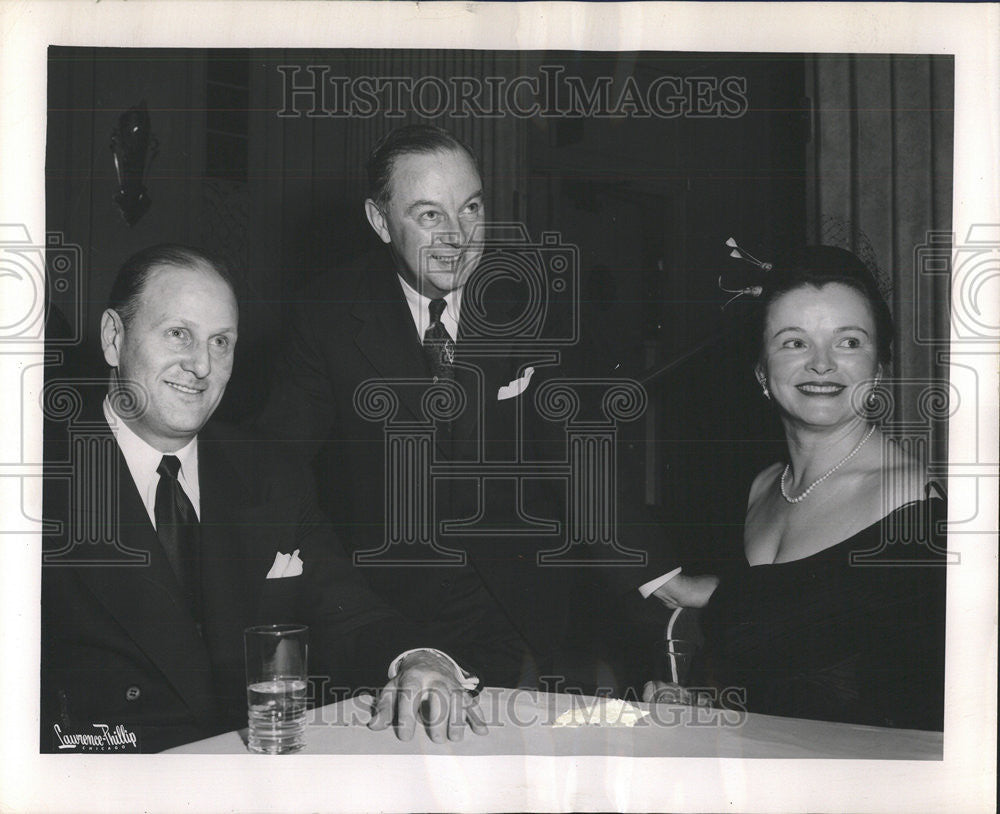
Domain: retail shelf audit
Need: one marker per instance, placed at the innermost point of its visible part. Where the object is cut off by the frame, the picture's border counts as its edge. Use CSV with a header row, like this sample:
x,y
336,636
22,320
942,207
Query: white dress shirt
x,y
143,460
648,588
420,309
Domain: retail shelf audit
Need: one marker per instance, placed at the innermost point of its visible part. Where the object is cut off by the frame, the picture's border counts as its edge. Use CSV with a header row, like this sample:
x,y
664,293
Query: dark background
x,y
861,140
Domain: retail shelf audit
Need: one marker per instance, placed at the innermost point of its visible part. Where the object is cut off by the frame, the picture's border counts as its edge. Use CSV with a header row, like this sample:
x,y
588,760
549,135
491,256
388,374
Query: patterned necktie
x,y
177,528
438,344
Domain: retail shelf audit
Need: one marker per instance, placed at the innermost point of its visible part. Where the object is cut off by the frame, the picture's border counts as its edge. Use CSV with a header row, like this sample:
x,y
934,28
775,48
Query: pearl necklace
x,y
821,478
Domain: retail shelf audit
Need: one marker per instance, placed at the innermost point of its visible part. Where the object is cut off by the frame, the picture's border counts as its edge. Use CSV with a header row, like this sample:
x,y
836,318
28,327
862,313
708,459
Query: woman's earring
x,y
872,397
764,390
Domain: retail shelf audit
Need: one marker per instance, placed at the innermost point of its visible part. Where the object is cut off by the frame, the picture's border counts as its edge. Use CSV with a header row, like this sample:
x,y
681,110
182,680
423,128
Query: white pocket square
x,y
516,387
285,565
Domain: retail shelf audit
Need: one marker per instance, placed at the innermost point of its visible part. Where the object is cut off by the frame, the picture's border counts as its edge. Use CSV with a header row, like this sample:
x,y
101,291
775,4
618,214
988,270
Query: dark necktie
x,y
177,528
438,344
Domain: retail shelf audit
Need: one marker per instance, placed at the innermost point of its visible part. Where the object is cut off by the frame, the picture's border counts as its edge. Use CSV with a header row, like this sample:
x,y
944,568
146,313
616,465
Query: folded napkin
x,y
602,712
516,387
285,565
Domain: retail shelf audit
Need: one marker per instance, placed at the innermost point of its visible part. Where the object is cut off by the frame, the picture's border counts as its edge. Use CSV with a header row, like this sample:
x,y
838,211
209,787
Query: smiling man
x,y
450,549
206,514
180,316
428,207
395,315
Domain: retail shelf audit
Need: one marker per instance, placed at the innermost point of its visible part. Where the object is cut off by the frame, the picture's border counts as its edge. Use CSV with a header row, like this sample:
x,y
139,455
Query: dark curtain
x,y
880,172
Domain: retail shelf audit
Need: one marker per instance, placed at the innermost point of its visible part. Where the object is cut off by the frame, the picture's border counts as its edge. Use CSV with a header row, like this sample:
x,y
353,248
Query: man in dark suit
x,y
207,533
364,345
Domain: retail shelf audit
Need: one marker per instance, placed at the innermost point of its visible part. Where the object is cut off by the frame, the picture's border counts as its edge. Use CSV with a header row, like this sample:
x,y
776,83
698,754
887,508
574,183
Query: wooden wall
x,y
88,90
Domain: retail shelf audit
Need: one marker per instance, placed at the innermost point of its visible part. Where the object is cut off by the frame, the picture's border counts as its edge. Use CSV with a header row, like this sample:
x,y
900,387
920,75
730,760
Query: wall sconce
x,y
134,147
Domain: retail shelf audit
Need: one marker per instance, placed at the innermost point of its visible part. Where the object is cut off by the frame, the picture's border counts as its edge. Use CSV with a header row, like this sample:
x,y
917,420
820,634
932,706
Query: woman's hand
x,y
663,692
684,591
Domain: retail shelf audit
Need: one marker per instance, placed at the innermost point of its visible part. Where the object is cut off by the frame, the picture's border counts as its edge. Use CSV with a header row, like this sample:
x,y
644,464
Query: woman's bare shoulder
x,y
765,480
904,476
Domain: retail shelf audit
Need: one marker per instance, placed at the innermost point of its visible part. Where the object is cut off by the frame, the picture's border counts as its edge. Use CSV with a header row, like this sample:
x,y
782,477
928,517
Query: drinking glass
x,y
276,659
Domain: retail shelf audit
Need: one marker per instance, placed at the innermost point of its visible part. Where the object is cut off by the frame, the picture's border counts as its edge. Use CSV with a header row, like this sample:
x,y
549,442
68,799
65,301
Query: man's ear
x,y
112,336
377,220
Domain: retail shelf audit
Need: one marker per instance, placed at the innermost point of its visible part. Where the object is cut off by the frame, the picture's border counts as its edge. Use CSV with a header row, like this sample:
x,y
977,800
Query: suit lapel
x,y
485,364
387,336
147,602
229,563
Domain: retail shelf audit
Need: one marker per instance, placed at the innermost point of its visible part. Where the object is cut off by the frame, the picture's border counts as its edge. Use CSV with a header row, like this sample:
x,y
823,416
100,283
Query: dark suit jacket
x,y
508,618
119,645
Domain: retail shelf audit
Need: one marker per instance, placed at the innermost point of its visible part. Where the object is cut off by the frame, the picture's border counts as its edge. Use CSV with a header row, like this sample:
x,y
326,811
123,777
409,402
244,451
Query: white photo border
x,y
964,780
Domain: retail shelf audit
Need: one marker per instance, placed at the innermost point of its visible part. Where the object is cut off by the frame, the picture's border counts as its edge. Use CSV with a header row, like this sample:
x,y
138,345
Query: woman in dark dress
x,y
836,611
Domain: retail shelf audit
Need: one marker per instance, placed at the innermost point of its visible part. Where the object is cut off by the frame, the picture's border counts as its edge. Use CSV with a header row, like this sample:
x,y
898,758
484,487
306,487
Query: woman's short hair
x,y
819,266
126,292
415,138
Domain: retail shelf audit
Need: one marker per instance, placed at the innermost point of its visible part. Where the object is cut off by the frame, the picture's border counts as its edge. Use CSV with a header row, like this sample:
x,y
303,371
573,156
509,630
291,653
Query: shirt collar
x,y
143,459
418,304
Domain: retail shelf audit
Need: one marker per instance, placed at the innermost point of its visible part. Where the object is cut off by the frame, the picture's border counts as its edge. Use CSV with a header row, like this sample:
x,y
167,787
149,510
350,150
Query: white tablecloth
x,y
521,722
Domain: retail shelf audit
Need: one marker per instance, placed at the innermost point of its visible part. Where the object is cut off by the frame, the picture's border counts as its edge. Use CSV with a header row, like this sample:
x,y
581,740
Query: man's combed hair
x,y
126,292
415,138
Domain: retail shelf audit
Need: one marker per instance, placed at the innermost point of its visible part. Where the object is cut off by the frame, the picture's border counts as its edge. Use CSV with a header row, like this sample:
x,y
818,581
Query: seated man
x,y
145,629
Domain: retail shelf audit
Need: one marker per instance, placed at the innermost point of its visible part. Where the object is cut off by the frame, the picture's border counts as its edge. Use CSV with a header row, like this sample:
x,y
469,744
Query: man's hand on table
x,y
427,690
683,591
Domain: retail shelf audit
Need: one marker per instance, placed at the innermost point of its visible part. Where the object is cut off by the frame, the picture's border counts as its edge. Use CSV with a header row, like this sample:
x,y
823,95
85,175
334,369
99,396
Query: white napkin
x,y
516,387
285,565
602,712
